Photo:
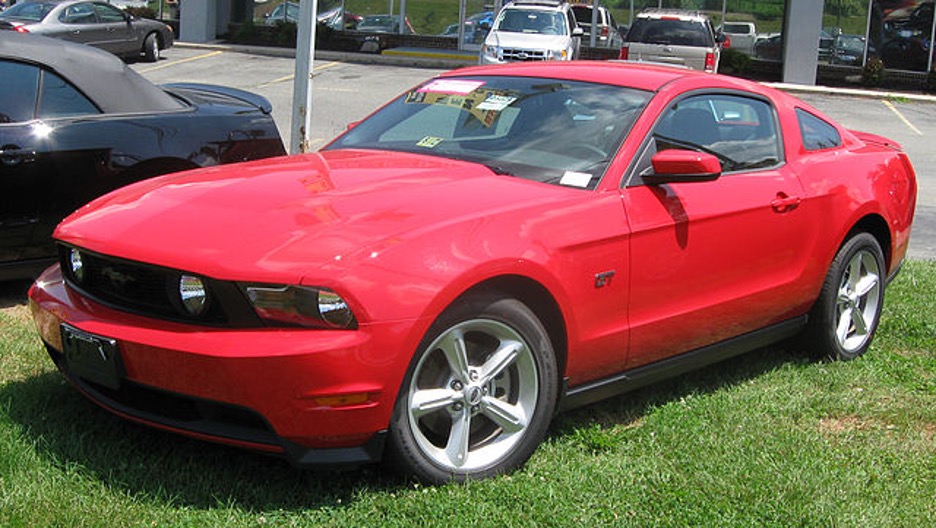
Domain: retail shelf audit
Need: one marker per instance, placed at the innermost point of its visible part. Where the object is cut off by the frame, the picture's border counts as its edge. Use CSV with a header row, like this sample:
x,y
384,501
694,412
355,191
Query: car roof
x,y
631,74
99,75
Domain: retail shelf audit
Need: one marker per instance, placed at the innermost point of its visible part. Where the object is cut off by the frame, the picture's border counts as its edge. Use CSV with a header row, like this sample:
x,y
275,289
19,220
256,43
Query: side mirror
x,y
578,32
682,166
720,37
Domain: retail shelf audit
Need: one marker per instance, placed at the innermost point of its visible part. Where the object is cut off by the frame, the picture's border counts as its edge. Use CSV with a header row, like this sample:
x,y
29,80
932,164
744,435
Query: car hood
x,y
530,41
276,220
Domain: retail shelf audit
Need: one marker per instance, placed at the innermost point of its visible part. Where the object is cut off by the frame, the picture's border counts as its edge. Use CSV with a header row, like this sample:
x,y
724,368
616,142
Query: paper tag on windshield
x,y
575,179
496,102
451,86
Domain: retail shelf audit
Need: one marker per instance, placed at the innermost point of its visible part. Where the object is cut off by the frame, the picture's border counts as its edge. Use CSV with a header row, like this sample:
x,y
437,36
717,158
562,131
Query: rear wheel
x,y
151,48
848,310
479,395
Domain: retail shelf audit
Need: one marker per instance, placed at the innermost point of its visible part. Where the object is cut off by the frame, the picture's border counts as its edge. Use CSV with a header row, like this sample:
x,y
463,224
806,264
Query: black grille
x,y
152,290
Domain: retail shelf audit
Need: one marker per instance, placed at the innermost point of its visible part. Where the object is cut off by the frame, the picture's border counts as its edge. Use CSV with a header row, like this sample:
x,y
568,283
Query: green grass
x,y
767,439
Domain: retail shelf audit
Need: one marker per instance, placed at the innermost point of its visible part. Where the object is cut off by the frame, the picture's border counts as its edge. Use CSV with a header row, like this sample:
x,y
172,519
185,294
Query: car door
x,y
118,35
78,23
42,150
714,259
20,182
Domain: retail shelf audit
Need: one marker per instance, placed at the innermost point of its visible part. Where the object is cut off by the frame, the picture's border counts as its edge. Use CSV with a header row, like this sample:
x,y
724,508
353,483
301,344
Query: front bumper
x,y
315,397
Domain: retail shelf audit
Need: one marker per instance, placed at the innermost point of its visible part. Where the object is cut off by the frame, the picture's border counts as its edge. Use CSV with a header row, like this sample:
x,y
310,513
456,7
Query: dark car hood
x,y
274,220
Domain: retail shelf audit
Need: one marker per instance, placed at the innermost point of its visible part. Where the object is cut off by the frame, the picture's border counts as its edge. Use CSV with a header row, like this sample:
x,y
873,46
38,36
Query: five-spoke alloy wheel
x,y
479,394
849,308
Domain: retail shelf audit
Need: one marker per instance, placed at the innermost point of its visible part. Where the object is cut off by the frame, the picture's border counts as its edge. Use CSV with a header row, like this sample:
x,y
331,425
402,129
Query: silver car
x,y
97,24
679,38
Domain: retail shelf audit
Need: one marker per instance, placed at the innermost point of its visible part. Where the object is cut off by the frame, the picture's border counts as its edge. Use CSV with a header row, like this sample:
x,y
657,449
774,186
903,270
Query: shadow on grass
x,y
71,432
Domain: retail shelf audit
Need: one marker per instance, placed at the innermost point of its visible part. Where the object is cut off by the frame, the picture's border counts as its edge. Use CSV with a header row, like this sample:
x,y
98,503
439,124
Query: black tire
x,y
843,321
151,48
501,402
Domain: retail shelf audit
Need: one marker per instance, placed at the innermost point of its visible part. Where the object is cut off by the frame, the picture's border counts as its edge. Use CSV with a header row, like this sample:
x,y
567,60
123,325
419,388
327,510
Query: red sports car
x,y
495,245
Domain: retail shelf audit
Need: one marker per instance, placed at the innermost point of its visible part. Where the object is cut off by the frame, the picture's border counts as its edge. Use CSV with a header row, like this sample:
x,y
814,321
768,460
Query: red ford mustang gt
x,y
495,245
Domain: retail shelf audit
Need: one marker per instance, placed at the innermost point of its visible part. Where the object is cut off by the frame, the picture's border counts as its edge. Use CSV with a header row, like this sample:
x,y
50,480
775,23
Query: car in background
x,y
609,36
282,13
96,24
384,24
496,244
681,38
740,36
532,30
848,50
76,122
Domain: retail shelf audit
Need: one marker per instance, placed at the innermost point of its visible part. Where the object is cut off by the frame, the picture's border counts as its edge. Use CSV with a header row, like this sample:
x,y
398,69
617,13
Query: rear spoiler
x,y
248,97
875,139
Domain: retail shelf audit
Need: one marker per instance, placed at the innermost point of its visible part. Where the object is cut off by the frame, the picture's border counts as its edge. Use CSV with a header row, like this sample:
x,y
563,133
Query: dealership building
x,y
798,34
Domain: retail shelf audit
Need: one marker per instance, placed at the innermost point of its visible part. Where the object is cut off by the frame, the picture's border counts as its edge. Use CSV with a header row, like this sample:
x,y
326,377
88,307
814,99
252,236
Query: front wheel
x,y
479,394
843,321
151,48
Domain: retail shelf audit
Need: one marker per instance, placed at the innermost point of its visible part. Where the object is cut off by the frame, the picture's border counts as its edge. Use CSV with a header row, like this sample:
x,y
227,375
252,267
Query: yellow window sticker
x,y
429,142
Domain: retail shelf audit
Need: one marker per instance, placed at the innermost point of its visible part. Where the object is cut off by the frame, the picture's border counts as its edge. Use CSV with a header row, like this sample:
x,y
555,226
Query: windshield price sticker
x,y
451,86
429,142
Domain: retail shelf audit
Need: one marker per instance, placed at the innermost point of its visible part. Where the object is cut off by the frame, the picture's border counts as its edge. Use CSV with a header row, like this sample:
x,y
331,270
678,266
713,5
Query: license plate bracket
x,y
92,357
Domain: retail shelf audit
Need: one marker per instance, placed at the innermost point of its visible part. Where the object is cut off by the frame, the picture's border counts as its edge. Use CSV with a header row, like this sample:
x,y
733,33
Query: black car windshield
x,y
29,11
548,130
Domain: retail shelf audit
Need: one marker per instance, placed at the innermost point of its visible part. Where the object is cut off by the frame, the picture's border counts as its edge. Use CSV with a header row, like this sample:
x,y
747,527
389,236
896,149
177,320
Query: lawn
x,y
768,439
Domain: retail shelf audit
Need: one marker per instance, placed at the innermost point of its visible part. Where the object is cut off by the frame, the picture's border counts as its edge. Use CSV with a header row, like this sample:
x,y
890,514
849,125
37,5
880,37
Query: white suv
x,y
673,37
532,30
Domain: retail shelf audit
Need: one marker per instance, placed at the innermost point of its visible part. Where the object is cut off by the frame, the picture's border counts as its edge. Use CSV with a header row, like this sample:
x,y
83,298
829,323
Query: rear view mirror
x,y
682,166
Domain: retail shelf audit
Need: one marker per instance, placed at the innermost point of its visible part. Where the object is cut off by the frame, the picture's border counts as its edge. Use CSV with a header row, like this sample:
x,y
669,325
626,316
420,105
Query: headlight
x,y
76,261
193,294
556,54
489,51
300,306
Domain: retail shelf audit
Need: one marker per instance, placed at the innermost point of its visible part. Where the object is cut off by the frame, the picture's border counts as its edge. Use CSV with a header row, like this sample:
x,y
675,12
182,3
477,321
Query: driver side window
x,y
740,131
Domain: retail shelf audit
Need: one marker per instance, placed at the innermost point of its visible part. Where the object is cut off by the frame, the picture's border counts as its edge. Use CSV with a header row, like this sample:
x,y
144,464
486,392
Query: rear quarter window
x,y
817,133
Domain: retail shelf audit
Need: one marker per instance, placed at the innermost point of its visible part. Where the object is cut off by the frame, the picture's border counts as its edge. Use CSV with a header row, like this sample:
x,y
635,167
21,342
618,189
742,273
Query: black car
x,y
97,24
76,122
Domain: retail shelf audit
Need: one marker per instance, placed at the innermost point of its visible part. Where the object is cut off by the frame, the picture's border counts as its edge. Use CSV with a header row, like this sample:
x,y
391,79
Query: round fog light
x,y
193,294
77,264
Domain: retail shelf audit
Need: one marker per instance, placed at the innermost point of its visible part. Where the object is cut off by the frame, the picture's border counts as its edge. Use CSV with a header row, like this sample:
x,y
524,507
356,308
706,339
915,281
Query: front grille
x,y
520,55
187,413
152,291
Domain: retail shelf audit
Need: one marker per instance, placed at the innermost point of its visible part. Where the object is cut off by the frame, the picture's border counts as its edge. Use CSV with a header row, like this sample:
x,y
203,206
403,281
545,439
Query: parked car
x,y
608,35
740,36
96,24
282,13
496,244
76,122
532,30
682,38
384,24
848,49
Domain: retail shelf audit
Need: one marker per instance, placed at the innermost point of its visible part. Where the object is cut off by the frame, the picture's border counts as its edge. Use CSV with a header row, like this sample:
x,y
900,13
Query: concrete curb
x,y
441,59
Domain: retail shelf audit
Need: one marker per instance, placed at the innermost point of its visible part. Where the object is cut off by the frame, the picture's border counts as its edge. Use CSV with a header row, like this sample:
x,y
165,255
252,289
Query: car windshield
x,y
673,32
531,21
380,21
31,11
853,44
553,131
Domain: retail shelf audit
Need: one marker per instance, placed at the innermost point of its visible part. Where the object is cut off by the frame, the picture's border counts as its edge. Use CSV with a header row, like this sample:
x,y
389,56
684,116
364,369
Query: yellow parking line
x,y
906,121
180,61
291,77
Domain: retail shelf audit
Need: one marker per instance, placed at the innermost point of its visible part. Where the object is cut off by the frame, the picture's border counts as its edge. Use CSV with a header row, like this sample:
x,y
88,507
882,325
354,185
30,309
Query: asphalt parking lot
x,y
345,92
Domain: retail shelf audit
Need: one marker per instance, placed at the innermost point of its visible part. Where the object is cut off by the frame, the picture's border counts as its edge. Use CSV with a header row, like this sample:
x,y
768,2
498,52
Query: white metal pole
x,y
402,16
593,40
302,85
